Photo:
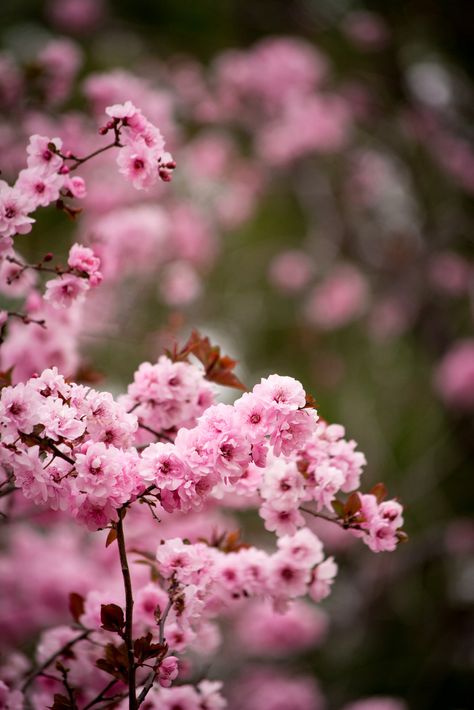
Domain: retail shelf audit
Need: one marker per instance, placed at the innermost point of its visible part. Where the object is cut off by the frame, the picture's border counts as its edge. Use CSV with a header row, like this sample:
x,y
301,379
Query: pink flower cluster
x,y
168,395
73,285
323,464
37,186
226,440
69,447
142,159
214,579
379,523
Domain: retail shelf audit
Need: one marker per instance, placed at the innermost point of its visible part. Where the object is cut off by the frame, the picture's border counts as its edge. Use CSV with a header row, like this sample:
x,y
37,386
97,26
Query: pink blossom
x,y
366,29
60,420
149,600
287,579
83,259
323,578
279,519
79,16
339,299
161,465
38,188
168,671
63,291
290,270
454,375
304,547
14,208
282,394
76,186
138,163
450,273
253,415
121,111
41,156
175,557
292,431
328,480
60,60
18,410
282,485
180,284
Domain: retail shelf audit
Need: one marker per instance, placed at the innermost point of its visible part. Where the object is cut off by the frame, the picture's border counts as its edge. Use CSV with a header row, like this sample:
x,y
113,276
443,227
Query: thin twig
x,y
100,696
340,523
151,676
158,434
6,491
57,452
81,161
84,634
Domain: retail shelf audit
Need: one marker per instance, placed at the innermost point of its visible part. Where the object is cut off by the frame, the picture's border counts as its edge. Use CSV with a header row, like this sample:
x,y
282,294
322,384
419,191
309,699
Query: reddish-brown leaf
x,y
112,618
111,536
76,605
353,505
379,491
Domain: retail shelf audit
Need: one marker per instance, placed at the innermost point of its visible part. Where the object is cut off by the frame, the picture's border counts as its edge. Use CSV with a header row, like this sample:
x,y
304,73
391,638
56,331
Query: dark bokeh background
x,y
402,624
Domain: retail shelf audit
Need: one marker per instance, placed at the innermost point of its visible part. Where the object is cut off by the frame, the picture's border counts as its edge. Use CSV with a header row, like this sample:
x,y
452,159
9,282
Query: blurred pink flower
x,y
340,298
376,703
450,272
75,15
454,376
268,689
366,30
180,284
290,270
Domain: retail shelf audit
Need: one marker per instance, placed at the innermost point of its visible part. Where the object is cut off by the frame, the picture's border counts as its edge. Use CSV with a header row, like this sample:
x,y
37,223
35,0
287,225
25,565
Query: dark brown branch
x,y
340,523
81,161
49,444
127,637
